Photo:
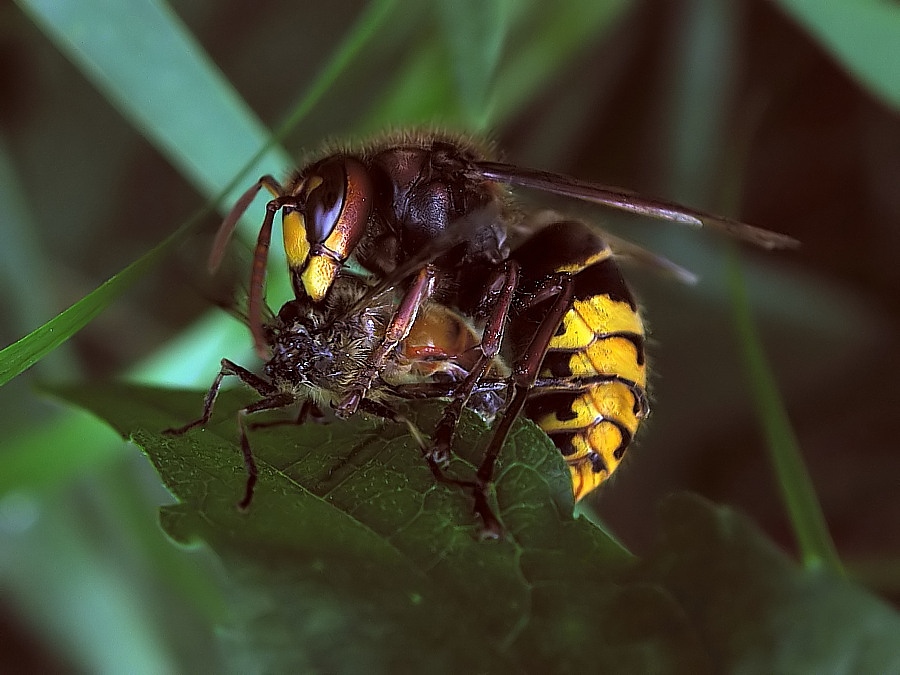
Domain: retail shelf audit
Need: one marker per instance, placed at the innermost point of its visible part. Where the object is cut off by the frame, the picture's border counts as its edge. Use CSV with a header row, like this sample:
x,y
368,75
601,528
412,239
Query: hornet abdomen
x,y
590,396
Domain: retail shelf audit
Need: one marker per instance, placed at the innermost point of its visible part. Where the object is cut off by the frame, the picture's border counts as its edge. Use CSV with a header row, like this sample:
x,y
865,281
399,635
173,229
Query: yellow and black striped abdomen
x,y
590,397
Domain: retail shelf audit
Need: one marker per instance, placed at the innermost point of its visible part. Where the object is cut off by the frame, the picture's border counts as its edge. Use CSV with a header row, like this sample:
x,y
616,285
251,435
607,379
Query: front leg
x,y
399,328
255,382
271,399
309,412
272,402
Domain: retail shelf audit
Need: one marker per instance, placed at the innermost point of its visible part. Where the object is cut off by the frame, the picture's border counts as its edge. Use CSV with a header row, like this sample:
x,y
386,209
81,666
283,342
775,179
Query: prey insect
x,y
454,293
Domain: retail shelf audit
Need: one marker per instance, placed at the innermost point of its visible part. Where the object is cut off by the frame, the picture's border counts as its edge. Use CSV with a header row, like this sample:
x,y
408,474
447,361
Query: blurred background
x,y
745,107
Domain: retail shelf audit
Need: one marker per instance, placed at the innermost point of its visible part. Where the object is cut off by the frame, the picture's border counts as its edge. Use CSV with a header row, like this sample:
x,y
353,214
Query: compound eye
x,y
325,195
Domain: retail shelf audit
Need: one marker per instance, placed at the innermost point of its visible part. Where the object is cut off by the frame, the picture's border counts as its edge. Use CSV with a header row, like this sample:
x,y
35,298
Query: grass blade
x,y
810,529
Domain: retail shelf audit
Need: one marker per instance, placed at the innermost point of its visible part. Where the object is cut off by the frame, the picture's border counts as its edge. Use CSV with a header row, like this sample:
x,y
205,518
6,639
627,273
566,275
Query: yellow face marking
x,y
296,246
318,276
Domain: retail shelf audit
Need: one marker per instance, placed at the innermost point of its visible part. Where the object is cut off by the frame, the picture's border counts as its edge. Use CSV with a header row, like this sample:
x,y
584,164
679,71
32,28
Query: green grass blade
x,y
24,268
475,33
145,62
362,32
186,115
864,35
537,40
122,48
24,353
810,529
541,43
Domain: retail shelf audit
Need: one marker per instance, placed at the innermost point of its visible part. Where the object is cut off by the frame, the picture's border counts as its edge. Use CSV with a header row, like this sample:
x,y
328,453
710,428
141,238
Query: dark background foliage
x,y
737,107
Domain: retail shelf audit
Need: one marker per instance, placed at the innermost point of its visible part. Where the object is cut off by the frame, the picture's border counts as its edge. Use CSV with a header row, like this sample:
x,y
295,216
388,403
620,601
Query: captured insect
x,y
417,274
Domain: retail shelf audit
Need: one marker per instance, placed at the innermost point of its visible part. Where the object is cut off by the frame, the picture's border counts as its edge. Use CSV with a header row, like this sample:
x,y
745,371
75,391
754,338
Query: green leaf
x,y
757,611
349,535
